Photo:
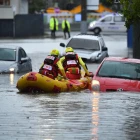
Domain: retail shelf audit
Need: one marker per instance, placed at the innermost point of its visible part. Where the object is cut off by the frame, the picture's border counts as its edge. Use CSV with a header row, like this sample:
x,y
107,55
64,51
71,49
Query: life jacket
x,y
71,61
72,66
49,67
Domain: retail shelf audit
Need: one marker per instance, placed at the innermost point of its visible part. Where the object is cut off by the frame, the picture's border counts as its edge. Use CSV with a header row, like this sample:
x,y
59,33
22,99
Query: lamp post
x,y
84,16
14,13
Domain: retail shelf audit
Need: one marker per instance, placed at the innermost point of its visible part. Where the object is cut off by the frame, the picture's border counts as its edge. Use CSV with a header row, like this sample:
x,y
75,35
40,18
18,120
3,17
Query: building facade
x,y
10,8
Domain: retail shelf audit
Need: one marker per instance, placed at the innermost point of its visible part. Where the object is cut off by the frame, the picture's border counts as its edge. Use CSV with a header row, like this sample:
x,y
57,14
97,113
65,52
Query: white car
x,y
88,47
108,23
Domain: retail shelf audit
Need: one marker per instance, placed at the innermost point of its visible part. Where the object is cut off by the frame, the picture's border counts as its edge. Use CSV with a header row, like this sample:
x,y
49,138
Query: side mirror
x,y
23,60
103,20
104,49
62,44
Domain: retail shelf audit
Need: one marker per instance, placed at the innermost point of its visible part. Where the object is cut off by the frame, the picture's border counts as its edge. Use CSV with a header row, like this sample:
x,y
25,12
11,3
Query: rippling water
x,y
67,116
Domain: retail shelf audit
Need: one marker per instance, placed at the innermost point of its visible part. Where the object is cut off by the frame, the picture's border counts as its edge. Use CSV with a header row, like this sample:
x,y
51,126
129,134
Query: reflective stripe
x,y
71,62
50,57
48,67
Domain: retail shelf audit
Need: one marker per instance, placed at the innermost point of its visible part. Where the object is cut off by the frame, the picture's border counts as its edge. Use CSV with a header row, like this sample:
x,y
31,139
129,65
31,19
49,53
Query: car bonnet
x,y
110,84
87,53
4,65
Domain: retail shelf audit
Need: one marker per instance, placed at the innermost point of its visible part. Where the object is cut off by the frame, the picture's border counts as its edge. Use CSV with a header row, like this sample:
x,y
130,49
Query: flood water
x,y
66,116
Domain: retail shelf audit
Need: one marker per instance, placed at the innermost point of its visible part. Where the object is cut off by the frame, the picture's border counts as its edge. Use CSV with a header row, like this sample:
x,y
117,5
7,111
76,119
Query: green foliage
x,y
131,11
37,5
106,3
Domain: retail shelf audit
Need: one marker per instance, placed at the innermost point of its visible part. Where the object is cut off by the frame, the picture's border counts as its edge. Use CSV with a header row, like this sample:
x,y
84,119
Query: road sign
x,y
56,10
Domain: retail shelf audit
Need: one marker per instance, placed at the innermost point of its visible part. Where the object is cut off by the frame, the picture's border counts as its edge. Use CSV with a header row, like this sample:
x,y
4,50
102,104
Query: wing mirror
x,y
104,49
62,44
23,60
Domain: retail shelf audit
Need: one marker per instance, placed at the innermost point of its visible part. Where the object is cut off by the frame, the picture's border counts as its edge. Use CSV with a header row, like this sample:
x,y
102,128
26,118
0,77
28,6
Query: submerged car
x,y
88,46
13,59
117,74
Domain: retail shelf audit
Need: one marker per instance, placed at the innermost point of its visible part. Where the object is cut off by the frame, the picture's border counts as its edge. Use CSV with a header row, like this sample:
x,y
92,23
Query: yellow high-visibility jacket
x,y
63,25
61,68
52,23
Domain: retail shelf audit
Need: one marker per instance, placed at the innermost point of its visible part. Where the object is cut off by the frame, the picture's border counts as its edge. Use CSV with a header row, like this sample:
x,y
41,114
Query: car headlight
x,y
12,69
91,24
95,85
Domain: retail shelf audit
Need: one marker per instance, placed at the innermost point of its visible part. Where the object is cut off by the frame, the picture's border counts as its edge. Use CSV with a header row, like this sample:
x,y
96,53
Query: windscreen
x,y
7,54
87,44
117,69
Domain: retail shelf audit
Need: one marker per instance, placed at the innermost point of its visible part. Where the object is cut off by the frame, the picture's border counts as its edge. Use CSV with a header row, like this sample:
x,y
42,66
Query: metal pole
x,y
84,16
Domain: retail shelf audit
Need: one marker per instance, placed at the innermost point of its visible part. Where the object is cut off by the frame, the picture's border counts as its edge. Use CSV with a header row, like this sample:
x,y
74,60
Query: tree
x,y
36,5
131,11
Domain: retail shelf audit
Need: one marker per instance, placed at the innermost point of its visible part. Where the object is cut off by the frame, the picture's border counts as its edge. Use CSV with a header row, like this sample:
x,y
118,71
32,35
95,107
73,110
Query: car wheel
x,y
97,31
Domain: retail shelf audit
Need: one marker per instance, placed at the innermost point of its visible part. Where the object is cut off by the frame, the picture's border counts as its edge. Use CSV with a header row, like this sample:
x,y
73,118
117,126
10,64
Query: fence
x,y
6,27
28,25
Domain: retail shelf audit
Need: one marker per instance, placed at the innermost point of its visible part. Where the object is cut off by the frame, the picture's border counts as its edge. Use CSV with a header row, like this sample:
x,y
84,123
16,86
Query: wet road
x,y
67,116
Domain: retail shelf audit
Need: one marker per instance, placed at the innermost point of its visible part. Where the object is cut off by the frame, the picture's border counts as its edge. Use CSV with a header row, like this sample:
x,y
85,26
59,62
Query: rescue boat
x,y
38,83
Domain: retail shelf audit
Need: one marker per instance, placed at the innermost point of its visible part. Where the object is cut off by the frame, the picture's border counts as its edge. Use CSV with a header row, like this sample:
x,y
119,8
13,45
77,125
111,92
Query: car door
x,y
119,25
24,61
106,23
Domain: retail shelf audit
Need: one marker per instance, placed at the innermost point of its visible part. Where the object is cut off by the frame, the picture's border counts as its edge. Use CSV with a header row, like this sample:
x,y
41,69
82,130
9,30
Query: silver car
x,y
13,59
88,47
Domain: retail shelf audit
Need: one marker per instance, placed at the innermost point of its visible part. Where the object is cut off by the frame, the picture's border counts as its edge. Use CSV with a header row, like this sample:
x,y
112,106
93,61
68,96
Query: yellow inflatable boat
x,y
35,82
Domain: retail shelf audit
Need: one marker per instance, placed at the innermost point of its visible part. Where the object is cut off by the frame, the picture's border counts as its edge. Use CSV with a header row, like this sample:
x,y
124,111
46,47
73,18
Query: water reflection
x,y
132,123
11,78
95,115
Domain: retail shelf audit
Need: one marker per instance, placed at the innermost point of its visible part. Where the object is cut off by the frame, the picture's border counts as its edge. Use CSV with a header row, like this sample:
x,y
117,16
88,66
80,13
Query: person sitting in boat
x,y
72,63
50,67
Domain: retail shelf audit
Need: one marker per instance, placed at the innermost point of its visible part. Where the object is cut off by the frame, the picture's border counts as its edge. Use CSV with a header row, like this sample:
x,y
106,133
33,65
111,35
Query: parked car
x,y
13,59
88,47
108,23
117,74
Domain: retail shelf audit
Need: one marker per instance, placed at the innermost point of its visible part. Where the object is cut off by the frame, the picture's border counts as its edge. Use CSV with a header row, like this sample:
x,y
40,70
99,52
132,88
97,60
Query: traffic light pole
x,y
84,16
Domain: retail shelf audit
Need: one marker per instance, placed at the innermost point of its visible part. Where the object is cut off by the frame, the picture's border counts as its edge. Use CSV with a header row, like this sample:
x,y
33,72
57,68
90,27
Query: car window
x,y
22,54
7,54
88,44
120,69
102,43
119,19
107,19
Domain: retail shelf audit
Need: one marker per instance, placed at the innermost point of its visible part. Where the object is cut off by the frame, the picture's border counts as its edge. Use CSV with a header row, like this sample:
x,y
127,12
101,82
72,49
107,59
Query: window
x,y
4,2
107,19
7,54
119,19
87,44
22,54
120,69
102,43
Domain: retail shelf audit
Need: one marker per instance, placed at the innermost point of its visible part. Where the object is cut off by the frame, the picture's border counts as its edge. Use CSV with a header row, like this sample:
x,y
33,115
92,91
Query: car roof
x,y
113,14
9,46
87,36
122,59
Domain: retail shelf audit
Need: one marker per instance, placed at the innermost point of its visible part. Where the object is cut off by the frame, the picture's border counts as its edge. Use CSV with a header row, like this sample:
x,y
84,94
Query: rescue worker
x,y
53,26
50,66
72,63
66,28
